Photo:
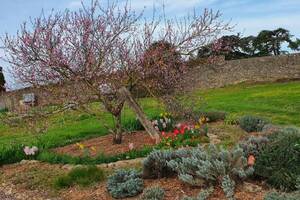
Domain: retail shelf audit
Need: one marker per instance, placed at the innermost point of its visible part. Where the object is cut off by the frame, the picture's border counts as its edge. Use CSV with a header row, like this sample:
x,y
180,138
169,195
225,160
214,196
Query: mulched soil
x,y
174,189
104,145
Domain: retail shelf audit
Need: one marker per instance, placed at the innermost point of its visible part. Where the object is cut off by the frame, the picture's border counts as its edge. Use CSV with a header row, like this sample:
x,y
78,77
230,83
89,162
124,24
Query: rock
x,y
28,162
252,188
67,167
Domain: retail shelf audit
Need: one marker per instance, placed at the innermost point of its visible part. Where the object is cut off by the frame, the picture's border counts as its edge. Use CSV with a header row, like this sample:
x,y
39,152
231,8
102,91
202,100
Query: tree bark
x,y
126,95
118,129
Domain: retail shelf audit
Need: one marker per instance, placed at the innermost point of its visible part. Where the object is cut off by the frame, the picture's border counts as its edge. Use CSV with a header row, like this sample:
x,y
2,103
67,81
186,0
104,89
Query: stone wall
x,y
262,69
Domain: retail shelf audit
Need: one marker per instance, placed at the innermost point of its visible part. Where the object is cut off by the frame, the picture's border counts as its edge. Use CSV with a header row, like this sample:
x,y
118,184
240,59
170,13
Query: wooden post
x,y
140,114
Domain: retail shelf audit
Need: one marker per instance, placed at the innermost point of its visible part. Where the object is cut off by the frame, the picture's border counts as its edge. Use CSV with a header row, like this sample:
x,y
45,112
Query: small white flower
x,y
161,120
164,125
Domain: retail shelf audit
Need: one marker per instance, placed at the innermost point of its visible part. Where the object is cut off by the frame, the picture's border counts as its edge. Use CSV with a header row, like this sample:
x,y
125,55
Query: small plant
x,y
213,116
252,123
228,186
253,145
213,167
133,125
282,196
82,176
153,193
164,122
155,165
231,119
85,150
203,195
279,161
125,183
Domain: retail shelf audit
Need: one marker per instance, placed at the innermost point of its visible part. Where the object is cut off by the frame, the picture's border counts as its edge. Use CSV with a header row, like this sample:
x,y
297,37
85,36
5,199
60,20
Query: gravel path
x,y
3,196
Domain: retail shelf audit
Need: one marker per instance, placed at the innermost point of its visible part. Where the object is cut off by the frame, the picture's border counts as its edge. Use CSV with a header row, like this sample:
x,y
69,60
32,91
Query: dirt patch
x,y
174,190
104,145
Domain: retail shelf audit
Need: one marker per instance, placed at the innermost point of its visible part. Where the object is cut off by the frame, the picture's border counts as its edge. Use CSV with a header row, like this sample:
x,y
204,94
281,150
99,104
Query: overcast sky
x,y
250,16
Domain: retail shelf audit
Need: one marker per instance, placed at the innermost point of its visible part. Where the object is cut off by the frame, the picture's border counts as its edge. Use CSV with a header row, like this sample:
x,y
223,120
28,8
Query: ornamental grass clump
x,y
125,183
252,123
213,167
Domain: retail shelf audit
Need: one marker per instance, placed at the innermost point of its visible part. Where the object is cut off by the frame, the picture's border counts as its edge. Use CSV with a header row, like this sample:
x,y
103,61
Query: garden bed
x,y
103,145
17,174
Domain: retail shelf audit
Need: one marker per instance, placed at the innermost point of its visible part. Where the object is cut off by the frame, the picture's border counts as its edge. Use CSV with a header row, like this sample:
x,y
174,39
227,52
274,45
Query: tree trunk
x,y
118,129
126,95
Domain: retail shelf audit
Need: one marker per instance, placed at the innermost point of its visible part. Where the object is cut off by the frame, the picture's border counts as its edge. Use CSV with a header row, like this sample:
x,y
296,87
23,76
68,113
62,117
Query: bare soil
x,y
105,146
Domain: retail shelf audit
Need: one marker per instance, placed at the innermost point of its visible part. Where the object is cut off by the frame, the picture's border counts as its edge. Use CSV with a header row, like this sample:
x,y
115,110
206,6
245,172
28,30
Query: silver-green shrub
x,y
253,145
125,183
203,195
213,167
251,123
155,165
153,193
282,196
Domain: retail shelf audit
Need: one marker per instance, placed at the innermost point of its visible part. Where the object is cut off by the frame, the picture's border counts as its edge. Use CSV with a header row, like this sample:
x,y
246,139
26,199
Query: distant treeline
x,y
266,43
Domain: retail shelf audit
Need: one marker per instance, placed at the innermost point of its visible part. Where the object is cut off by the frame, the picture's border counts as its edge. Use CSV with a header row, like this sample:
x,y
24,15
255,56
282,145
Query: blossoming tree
x,y
103,48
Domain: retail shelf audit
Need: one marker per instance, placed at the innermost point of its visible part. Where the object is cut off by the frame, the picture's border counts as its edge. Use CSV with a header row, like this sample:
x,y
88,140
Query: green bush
x,y
280,160
252,123
153,193
282,196
214,116
11,154
125,183
213,167
203,195
83,176
254,145
133,125
155,165
231,119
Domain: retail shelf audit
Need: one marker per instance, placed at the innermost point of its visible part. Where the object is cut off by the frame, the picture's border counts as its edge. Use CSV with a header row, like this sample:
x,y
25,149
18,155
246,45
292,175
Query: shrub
x,y
253,145
203,195
212,167
231,119
282,196
280,160
83,176
155,165
133,125
11,154
153,193
125,184
252,123
214,116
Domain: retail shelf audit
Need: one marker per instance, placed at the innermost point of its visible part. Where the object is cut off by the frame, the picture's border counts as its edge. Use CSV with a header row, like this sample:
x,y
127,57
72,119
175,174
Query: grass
x,y
279,102
82,176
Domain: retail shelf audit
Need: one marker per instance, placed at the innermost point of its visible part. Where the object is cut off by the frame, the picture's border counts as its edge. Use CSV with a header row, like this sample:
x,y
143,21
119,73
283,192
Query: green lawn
x,y
279,102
